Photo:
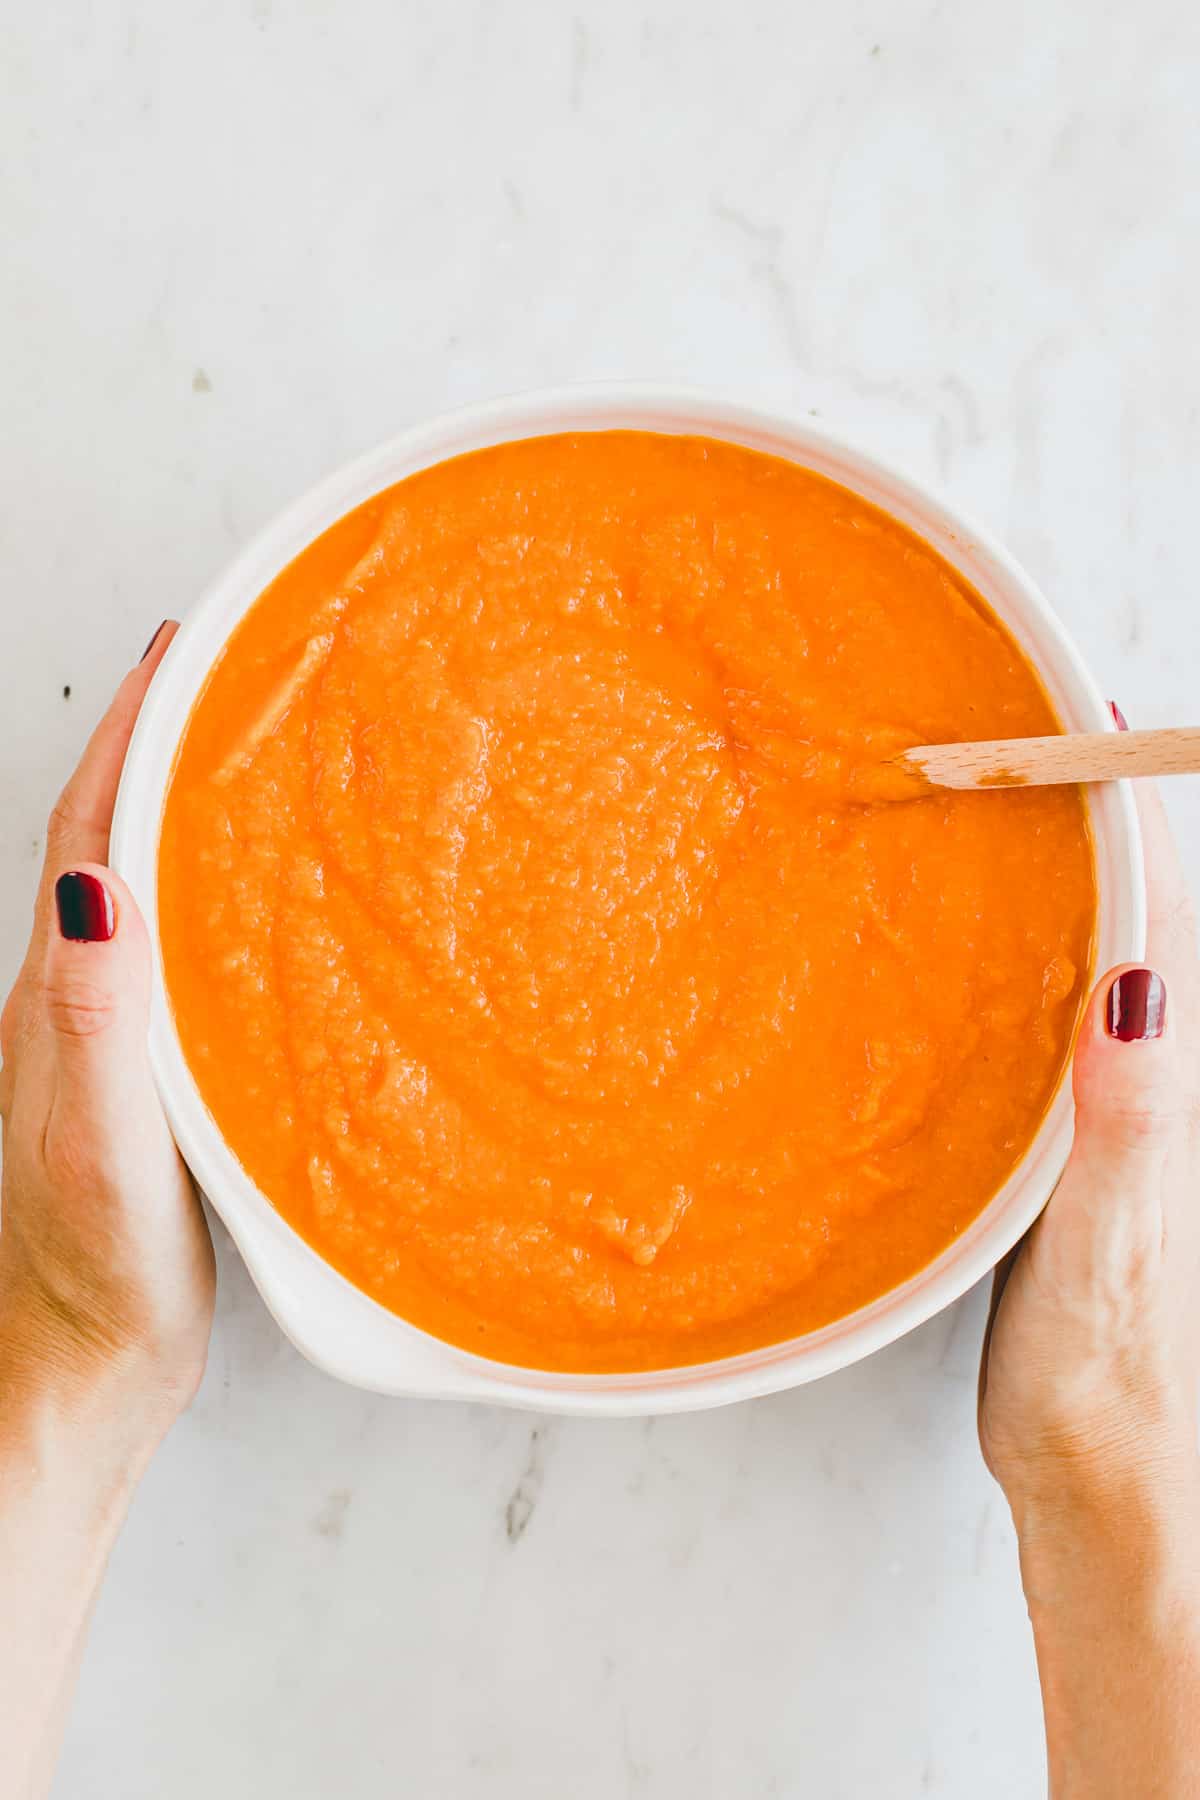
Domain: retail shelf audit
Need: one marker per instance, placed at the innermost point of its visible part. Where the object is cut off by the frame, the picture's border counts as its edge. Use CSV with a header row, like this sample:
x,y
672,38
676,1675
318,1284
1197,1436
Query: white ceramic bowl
x,y
331,1321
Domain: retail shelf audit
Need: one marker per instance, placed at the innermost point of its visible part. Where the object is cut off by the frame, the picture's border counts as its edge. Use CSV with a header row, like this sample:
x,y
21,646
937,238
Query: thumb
x,y
96,995
1126,1072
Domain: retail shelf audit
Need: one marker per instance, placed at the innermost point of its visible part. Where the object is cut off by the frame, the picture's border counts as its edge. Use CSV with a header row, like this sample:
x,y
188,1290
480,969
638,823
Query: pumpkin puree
x,y
529,939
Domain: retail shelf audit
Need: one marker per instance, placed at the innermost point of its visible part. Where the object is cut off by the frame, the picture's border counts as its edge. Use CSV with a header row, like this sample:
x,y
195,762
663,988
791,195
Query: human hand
x,y
1088,1384
106,1267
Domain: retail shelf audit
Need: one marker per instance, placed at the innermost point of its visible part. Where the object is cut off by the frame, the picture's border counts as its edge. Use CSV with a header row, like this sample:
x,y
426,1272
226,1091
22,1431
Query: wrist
x,y
1125,1430
1115,1537
102,1416
1112,1582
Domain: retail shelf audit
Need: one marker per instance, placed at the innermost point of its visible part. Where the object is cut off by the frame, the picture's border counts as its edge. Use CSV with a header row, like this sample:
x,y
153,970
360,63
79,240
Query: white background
x,y
245,239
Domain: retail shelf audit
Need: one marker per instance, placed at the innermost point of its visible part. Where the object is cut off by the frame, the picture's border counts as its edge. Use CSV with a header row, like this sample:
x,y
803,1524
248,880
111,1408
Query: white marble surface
x,y
244,239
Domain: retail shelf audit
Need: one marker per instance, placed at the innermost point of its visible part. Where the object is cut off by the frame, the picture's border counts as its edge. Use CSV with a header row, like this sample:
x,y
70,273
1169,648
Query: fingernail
x,y
85,909
1137,1006
1119,716
153,641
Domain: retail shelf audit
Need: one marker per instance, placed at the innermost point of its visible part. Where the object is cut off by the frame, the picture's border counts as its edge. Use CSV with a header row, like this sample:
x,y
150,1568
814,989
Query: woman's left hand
x,y
106,1268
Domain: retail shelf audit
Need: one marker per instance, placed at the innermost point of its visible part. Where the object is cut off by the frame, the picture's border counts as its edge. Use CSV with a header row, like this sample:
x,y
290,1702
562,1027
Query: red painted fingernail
x,y
1119,716
153,641
1137,1007
85,908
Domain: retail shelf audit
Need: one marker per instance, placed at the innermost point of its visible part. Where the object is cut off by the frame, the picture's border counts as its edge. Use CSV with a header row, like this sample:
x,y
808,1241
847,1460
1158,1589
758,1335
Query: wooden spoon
x,y
1049,761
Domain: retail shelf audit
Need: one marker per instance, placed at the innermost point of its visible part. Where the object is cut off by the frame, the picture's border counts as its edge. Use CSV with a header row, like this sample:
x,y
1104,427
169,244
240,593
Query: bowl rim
x,y
343,1328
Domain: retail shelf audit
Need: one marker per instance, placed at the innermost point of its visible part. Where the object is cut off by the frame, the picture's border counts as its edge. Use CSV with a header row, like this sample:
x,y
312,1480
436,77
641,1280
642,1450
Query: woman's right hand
x,y
1092,1358
1088,1389
106,1268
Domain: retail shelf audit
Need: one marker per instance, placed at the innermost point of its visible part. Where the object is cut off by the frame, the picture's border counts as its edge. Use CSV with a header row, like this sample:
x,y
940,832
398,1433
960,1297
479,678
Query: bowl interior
x,y
330,1320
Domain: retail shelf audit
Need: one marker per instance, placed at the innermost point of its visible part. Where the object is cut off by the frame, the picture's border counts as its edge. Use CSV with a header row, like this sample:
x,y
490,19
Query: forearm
x,y
1112,1578
68,1466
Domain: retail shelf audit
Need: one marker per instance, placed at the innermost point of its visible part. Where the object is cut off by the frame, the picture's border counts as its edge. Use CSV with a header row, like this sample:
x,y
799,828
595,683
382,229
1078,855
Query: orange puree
x,y
529,938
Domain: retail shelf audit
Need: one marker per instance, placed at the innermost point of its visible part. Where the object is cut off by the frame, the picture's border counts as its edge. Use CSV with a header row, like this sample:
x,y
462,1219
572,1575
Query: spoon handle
x,y
1048,761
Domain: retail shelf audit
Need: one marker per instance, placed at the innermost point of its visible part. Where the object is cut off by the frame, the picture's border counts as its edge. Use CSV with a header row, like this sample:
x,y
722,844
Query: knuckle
x,y
13,1028
70,1155
1137,1124
1141,1119
64,819
8,1025
80,1008
1182,917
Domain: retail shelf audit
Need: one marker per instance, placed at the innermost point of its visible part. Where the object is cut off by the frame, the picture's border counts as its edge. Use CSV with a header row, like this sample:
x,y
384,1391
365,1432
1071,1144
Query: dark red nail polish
x,y
153,641
85,909
1137,1006
1119,716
